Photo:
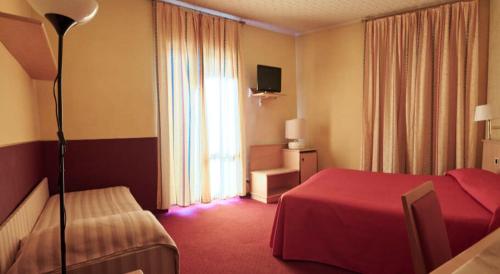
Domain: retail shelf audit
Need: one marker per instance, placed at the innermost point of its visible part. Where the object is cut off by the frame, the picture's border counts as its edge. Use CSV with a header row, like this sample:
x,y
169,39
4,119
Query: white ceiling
x,y
302,16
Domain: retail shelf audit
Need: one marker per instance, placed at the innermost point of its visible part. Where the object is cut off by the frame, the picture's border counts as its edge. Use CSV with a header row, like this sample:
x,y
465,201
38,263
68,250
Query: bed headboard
x,y
20,223
491,155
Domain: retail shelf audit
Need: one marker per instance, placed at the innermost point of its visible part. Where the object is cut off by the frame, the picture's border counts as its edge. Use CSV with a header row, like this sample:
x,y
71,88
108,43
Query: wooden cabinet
x,y
491,155
304,160
269,185
275,170
269,177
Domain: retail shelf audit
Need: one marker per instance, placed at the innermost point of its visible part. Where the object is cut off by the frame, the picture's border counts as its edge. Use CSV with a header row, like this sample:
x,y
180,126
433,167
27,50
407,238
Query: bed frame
x,y
20,223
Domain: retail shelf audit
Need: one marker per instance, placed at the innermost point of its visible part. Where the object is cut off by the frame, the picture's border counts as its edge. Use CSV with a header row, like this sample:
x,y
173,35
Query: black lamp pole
x,y
61,152
61,24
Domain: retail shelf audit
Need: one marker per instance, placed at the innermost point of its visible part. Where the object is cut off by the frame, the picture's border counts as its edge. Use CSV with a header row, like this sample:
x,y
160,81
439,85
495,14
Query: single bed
x,y
106,232
354,219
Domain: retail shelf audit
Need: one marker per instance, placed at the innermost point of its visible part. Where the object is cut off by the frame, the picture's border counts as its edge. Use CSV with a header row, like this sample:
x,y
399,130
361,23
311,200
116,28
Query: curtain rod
x,y
241,20
204,10
409,10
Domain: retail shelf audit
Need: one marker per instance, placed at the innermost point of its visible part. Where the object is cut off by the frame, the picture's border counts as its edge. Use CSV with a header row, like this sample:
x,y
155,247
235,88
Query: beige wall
x,y
266,124
494,63
108,76
330,88
109,83
18,97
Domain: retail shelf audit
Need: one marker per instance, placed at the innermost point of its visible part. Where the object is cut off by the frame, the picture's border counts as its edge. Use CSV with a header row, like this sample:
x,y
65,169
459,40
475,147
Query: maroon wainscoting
x,y
21,169
108,162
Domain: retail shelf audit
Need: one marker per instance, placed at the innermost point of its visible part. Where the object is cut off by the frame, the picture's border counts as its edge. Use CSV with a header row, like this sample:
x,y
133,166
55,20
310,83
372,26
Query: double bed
x,y
354,219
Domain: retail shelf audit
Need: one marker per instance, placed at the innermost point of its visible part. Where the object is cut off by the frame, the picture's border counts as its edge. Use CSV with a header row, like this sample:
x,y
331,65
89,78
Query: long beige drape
x,y
196,55
420,91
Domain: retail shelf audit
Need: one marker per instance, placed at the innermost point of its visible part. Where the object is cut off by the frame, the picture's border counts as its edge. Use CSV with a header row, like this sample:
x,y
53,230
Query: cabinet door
x,y
491,156
308,165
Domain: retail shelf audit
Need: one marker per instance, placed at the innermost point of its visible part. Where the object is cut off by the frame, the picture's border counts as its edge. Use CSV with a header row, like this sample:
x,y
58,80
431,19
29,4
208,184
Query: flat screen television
x,y
268,79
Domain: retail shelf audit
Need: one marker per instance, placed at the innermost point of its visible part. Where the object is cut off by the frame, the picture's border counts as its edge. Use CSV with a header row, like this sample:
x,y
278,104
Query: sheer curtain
x,y
220,81
199,106
420,90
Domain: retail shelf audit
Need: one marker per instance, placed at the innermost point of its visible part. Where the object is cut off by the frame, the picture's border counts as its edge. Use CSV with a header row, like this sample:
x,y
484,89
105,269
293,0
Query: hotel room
x,y
261,136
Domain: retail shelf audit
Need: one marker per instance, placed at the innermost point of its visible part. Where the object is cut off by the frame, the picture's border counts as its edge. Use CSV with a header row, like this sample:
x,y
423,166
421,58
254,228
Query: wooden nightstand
x,y
305,160
491,155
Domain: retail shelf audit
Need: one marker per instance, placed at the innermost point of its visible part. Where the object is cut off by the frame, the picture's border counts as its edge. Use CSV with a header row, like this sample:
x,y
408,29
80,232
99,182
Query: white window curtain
x,y
200,107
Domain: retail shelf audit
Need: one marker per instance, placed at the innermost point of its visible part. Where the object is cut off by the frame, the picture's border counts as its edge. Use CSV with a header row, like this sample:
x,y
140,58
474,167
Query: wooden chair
x,y
429,242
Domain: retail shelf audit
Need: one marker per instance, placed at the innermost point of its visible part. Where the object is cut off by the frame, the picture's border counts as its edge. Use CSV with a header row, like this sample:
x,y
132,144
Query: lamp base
x,y
298,144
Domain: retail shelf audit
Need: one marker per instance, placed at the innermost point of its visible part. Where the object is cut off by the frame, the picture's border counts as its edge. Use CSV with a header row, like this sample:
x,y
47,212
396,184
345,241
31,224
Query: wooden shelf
x,y
26,39
276,171
263,96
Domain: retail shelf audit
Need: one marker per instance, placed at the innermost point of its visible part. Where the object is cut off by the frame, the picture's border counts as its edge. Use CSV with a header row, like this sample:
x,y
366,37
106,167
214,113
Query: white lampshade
x,y
81,11
295,129
483,113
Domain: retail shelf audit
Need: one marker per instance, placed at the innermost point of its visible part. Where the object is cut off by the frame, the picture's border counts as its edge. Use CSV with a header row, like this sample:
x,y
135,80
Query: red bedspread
x,y
355,220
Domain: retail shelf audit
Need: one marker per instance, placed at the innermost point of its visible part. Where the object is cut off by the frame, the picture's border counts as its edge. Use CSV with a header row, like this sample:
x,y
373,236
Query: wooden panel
x,y
266,157
308,165
277,185
277,171
21,169
291,158
468,254
270,176
491,155
259,185
27,41
283,181
131,162
268,188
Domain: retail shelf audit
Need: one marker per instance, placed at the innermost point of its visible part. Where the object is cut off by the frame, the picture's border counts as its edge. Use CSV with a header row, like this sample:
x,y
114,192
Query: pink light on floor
x,y
192,210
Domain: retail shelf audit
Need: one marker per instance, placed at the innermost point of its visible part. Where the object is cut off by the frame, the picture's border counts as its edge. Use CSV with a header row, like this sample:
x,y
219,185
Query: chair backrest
x,y
429,242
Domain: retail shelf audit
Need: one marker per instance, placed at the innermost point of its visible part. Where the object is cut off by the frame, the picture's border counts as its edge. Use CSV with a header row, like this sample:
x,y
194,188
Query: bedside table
x,y
491,155
305,160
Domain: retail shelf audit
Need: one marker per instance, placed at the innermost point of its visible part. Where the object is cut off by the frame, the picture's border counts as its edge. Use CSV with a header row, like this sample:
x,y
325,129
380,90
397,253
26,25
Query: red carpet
x,y
230,236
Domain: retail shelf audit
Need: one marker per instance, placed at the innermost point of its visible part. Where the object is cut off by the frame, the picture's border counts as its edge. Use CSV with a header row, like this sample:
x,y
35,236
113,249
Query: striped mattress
x,y
116,240
106,232
87,204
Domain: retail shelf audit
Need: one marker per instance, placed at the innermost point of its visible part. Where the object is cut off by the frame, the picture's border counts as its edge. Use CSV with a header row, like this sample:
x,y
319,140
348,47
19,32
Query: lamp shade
x,y
81,11
483,113
295,129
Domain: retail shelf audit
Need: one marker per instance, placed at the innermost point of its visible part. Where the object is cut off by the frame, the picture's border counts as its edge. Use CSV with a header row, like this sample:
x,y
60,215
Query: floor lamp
x,y
63,14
